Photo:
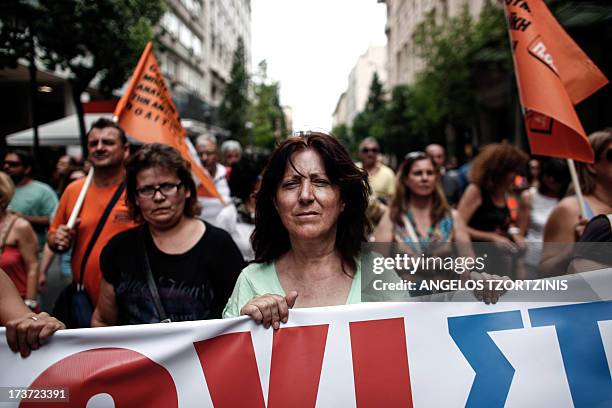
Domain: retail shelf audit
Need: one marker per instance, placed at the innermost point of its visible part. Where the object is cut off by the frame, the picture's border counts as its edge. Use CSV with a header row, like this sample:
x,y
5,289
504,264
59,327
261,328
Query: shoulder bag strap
x,y
99,227
151,282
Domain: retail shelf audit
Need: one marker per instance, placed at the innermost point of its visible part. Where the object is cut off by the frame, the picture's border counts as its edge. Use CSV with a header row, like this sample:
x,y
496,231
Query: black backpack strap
x,y
99,227
151,281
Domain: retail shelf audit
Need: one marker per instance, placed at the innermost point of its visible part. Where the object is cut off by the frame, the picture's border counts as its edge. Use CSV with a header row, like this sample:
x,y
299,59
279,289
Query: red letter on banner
x,y
132,379
297,358
380,364
230,368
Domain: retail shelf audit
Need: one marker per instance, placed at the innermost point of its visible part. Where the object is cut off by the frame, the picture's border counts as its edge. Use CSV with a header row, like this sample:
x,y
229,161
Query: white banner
x,y
371,355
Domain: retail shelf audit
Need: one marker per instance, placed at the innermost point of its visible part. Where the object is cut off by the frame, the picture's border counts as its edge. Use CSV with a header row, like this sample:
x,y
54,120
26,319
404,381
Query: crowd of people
x,y
287,230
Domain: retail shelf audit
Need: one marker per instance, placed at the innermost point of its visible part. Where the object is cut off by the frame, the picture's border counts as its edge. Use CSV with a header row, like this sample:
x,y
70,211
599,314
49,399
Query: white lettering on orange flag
x,y
147,113
553,75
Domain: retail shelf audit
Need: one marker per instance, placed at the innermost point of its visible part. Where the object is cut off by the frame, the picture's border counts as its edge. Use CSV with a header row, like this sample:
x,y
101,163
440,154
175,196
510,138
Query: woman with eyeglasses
x,y
174,267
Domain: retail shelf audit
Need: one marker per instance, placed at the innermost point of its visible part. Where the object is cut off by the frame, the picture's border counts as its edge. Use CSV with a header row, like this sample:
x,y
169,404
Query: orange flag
x,y
553,75
147,113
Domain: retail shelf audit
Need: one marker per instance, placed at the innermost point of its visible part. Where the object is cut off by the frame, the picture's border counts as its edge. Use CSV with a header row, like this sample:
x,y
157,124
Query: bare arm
x,y
559,235
38,220
106,309
524,211
384,230
28,246
43,265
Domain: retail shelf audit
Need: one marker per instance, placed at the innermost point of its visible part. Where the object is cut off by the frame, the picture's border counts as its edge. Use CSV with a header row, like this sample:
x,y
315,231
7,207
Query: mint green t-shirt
x,y
260,279
35,199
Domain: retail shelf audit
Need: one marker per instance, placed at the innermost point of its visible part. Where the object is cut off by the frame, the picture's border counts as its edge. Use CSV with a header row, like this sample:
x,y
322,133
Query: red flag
x,y
553,75
147,112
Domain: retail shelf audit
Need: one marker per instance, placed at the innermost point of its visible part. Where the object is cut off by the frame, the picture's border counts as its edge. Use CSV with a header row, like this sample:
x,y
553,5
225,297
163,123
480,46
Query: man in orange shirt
x,y
107,150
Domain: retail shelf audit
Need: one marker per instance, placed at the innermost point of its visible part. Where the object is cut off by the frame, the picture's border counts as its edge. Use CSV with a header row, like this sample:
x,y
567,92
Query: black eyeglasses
x,y
12,163
369,149
166,189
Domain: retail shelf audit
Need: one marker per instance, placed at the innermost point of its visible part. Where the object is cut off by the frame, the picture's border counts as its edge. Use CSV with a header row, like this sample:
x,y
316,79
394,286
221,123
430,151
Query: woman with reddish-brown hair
x,y
483,204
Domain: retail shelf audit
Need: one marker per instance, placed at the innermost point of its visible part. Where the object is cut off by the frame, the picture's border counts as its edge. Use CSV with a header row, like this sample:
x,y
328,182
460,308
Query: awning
x,y
65,131
62,132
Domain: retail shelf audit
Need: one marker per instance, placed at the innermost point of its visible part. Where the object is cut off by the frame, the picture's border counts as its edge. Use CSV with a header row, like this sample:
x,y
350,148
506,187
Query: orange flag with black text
x,y
553,75
147,113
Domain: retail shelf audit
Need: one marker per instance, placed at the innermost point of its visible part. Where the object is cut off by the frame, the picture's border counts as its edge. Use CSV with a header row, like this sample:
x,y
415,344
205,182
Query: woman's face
x,y
306,201
421,178
161,196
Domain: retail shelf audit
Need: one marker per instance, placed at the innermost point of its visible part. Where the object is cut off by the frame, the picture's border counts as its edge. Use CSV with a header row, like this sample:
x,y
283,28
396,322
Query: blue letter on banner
x,y
493,371
582,349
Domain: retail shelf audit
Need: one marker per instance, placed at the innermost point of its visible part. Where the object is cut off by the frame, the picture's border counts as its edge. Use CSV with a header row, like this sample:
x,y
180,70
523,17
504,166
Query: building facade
x,y
354,99
403,17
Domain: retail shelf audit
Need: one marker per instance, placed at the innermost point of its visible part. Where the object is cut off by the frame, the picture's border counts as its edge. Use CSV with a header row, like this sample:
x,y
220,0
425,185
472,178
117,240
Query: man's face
x,y
105,148
368,154
437,154
207,151
13,166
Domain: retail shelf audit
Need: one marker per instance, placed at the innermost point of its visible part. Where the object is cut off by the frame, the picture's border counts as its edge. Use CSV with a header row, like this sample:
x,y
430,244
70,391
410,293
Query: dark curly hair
x,y
166,157
494,163
271,239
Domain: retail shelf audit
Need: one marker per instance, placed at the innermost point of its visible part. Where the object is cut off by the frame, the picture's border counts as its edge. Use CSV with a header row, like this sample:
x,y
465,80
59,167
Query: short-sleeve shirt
x,y
194,285
94,205
382,183
261,278
35,199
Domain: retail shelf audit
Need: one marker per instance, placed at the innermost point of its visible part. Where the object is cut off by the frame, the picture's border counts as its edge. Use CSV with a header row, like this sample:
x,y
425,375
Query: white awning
x,y
62,132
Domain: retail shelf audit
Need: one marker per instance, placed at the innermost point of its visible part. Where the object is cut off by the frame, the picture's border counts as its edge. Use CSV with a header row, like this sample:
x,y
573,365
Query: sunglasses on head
x,y
369,150
415,155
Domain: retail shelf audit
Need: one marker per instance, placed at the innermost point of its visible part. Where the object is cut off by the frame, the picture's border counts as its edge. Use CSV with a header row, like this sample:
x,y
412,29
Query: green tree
x,y
371,121
95,39
267,116
343,133
234,108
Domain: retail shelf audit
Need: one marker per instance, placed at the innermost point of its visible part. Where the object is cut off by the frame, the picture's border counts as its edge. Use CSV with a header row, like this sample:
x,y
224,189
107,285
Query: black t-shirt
x,y
596,241
194,285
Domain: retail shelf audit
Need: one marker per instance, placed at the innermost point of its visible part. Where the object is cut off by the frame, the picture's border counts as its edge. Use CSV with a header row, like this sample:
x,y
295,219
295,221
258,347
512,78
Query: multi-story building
x,y
403,17
354,99
198,39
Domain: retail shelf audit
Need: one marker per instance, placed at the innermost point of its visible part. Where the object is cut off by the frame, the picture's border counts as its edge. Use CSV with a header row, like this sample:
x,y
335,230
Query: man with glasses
x,y
380,177
33,200
107,150
206,146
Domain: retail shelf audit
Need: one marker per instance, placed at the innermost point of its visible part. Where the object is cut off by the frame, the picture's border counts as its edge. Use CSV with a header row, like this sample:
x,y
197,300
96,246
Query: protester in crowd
x,y
448,179
594,248
565,224
25,330
418,213
17,247
206,146
533,175
230,153
239,219
380,177
484,206
419,217
108,149
174,266
63,168
64,258
536,204
309,225
33,200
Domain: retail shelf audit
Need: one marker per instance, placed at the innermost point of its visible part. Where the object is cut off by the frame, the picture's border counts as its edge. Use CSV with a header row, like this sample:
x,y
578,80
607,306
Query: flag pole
x,y
577,187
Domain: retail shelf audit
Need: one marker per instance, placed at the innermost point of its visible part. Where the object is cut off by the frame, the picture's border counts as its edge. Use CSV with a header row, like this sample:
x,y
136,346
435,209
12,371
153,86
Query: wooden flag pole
x,y
577,188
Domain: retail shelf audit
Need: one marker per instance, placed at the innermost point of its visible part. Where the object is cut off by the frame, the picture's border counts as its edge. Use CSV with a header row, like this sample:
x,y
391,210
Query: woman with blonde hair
x,y
18,246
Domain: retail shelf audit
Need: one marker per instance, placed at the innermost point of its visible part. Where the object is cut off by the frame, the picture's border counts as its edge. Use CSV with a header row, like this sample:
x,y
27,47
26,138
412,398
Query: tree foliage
x,y
371,121
234,109
267,116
